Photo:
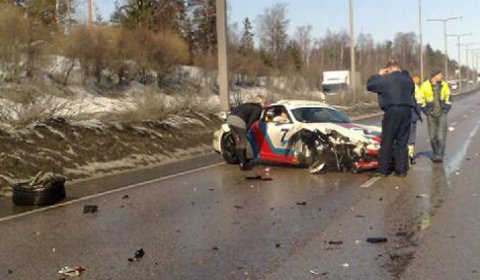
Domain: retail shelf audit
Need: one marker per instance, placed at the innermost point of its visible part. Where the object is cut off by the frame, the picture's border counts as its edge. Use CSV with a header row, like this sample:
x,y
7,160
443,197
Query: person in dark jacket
x,y
394,88
240,120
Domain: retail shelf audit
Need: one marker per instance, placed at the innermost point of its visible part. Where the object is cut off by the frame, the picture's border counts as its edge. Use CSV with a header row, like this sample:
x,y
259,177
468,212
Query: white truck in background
x,y
335,82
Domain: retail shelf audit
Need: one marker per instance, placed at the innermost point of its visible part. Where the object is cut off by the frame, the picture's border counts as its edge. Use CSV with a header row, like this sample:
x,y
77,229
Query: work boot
x,y
242,159
411,154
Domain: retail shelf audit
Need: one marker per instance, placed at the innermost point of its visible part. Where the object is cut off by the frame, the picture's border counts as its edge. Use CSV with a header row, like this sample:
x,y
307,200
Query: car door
x,y
276,137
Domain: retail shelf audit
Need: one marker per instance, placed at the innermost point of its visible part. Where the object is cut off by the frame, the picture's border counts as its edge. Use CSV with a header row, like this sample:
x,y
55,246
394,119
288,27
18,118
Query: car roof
x,y
293,104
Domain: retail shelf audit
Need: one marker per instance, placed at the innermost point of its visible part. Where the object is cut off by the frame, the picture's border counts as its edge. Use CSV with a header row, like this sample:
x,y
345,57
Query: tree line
x,y
144,40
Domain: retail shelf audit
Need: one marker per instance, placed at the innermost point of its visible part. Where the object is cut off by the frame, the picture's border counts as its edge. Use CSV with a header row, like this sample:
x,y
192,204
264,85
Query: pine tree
x,y
246,42
204,24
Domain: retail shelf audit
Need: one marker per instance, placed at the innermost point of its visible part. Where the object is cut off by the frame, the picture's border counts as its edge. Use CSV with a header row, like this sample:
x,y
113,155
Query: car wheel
x,y
227,146
47,194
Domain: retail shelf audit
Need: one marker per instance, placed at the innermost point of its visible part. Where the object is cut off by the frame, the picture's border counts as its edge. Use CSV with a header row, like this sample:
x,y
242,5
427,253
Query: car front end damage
x,y
335,148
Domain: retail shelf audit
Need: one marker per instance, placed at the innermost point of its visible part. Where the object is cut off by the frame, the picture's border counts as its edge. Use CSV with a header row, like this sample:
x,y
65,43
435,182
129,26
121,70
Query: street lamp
x,y
466,59
353,75
420,36
445,20
474,71
458,36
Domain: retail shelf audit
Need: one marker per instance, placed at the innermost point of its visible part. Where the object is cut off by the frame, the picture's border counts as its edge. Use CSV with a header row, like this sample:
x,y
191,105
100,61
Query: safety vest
x,y
417,94
425,93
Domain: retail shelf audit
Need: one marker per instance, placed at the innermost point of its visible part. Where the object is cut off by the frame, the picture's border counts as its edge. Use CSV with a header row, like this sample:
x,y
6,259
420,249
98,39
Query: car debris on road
x,y
375,240
138,255
71,272
90,209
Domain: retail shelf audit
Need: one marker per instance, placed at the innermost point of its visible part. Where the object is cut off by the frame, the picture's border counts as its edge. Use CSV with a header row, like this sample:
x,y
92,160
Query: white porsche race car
x,y
306,133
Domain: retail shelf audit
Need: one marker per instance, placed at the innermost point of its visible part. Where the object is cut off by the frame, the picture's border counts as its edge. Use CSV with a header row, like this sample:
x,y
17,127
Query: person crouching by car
x,y
434,96
395,89
240,120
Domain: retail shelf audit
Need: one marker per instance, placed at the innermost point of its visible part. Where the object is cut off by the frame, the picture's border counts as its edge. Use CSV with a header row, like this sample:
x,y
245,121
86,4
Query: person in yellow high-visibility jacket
x,y
434,97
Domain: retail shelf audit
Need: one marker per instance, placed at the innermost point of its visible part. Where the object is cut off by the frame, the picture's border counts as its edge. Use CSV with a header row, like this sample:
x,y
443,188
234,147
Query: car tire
x,y
48,194
227,146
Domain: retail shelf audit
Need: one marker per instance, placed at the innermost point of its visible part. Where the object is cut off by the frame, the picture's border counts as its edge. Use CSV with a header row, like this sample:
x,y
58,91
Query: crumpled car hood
x,y
355,132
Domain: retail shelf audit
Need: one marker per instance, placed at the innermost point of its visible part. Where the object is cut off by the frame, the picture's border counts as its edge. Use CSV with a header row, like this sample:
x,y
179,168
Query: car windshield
x,y
331,88
319,115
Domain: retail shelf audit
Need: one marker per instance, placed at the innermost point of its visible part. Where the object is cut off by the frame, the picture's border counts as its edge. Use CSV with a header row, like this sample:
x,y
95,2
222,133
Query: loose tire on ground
x,y
48,194
227,146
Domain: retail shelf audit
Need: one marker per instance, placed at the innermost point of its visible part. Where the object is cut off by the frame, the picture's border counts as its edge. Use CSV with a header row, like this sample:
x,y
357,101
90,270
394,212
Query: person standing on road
x,y
395,89
415,118
434,96
240,120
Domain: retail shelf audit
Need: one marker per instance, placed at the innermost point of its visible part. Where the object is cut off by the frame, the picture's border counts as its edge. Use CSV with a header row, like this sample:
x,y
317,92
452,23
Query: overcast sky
x,y
381,18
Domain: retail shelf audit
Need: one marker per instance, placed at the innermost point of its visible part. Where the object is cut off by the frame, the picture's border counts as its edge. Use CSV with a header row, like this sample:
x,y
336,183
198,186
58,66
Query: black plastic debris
x,y
264,177
138,255
10,271
375,240
215,248
90,209
360,216
253,177
303,203
211,190
238,206
278,245
126,196
335,242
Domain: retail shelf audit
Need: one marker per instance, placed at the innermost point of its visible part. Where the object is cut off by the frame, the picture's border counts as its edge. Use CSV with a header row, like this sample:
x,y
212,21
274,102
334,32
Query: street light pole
x,y
466,58
445,20
467,63
353,72
458,36
90,13
222,55
420,38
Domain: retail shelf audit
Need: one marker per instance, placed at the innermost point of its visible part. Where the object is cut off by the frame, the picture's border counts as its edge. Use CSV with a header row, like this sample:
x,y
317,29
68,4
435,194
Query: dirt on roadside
x,y
82,149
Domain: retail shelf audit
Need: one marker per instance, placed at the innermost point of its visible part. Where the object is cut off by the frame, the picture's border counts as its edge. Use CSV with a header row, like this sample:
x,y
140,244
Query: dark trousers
x,y
437,130
240,137
395,135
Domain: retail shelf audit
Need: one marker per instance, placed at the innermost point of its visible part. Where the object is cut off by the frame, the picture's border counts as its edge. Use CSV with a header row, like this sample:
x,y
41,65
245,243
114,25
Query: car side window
x,y
280,115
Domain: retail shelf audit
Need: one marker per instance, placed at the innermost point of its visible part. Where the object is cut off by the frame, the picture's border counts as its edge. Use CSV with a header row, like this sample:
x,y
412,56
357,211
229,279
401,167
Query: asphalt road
x,y
203,220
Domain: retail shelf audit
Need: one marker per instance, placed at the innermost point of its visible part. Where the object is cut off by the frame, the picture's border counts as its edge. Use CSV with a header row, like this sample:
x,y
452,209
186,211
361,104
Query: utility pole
x,y
467,63
445,20
459,36
420,36
353,71
68,18
57,13
222,55
90,13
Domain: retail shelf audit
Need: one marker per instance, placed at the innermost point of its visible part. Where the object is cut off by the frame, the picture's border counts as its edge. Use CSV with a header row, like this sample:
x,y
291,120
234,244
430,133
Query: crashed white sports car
x,y
306,133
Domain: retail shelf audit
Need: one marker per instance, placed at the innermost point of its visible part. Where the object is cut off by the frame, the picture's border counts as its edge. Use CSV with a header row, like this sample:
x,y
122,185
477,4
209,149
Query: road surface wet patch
x,y
411,213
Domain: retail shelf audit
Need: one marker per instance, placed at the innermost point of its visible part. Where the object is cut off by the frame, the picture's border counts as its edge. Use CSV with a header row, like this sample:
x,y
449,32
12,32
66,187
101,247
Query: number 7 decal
x,y
285,131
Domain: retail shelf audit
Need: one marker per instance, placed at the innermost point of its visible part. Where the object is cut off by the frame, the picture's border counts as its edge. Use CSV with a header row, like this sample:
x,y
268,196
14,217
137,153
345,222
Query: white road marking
x,y
370,182
43,209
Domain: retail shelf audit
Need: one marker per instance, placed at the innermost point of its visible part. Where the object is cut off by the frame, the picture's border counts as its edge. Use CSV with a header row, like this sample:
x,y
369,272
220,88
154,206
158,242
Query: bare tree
x,y
303,36
405,48
273,26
